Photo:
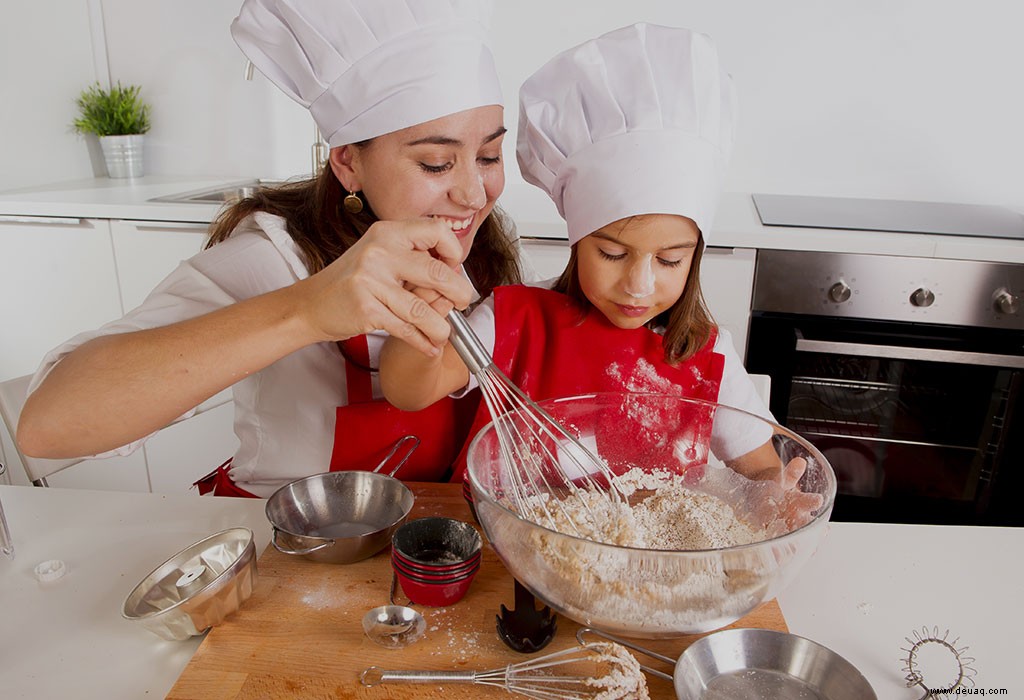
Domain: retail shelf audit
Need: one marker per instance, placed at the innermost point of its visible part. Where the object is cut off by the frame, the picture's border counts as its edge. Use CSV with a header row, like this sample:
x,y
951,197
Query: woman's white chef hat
x,y
370,67
637,121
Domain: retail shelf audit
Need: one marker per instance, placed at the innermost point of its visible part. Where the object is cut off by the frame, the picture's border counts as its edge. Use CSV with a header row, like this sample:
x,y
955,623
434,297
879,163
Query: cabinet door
x,y
727,280
147,251
57,278
182,453
546,258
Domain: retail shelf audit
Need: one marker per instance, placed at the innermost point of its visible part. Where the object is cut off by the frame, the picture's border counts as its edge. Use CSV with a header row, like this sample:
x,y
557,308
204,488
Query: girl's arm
x,y
412,381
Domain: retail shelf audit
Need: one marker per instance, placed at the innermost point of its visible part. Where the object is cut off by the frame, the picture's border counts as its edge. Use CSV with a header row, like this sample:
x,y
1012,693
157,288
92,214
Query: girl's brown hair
x,y
323,230
688,323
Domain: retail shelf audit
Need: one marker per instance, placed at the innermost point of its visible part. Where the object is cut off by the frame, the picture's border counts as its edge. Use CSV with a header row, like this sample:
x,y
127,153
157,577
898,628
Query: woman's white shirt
x,y
284,414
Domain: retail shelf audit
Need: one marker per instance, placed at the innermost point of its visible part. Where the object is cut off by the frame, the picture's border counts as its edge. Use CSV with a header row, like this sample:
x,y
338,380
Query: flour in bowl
x,y
692,586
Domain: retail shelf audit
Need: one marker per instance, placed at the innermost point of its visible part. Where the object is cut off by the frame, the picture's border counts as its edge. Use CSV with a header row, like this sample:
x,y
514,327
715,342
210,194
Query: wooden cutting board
x,y
300,635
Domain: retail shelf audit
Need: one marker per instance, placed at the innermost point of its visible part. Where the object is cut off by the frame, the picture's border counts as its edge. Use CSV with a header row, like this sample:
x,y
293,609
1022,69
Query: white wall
x,y
902,99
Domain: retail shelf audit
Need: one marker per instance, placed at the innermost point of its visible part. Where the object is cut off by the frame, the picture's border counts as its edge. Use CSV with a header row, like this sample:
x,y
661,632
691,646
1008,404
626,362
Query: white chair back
x,y
12,398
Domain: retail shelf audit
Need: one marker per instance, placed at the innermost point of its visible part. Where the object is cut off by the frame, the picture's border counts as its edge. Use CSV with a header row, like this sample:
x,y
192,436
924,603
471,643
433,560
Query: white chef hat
x,y
637,121
370,67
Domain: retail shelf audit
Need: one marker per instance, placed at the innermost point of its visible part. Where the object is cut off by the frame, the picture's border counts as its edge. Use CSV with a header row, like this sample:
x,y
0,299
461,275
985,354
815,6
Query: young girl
x,y
629,134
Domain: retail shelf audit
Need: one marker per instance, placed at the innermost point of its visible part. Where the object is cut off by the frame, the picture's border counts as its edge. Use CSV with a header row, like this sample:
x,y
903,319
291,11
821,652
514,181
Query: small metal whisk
x,y
600,670
542,457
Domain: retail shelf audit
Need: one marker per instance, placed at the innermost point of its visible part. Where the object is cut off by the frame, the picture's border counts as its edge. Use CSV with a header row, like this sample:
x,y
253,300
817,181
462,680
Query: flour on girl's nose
x,y
642,284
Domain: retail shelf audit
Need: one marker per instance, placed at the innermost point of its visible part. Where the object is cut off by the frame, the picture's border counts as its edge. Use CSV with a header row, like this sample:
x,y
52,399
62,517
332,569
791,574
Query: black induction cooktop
x,y
889,215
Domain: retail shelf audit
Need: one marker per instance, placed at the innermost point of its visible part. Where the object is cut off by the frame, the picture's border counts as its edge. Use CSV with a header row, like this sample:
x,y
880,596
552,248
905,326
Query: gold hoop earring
x,y
352,203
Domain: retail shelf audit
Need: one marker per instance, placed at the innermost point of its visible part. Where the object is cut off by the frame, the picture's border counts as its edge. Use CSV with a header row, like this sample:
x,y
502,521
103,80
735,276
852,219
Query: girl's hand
x,y
794,507
370,287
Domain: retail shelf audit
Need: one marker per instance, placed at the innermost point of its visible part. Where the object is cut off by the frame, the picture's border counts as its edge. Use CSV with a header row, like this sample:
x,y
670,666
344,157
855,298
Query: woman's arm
x,y
117,388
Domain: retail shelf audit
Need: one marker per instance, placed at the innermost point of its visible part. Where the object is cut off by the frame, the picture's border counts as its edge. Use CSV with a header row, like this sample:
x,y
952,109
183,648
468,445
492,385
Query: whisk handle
x,y
467,344
376,676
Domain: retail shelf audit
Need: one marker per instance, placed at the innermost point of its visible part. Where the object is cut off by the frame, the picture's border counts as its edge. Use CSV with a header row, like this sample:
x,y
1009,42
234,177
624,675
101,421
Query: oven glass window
x,y
930,424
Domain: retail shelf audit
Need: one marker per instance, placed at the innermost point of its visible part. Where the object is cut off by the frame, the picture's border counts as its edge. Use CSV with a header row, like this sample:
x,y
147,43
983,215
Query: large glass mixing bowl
x,y
661,593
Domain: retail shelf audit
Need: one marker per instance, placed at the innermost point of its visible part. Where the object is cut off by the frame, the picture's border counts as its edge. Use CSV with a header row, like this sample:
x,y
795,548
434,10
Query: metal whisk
x,y
590,671
544,460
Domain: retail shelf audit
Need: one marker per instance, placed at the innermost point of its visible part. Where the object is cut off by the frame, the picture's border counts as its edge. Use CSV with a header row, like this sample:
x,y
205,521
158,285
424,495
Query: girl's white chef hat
x,y
637,121
370,67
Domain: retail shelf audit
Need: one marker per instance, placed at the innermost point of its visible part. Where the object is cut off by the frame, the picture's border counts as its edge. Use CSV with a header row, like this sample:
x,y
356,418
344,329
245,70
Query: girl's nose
x,y
640,278
468,189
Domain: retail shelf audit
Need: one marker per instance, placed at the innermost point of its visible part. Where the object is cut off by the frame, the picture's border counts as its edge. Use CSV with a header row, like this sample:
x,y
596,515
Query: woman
x,y
288,302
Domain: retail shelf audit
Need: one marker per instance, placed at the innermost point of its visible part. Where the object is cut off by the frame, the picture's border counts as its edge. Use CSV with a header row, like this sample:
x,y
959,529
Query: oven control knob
x,y
839,292
922,297
1006,302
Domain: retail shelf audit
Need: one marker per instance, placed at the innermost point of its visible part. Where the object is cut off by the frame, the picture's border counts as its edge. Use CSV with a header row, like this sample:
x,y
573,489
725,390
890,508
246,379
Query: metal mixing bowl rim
x,y
823,514
320,538
194,595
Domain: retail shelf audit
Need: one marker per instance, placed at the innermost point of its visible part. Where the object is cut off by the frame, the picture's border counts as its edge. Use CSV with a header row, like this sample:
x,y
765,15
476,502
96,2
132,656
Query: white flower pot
x,y
123,155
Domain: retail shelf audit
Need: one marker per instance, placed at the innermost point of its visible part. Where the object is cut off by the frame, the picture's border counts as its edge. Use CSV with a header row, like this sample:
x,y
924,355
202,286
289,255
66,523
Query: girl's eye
x,y
427,167
670,263
490,161
610,256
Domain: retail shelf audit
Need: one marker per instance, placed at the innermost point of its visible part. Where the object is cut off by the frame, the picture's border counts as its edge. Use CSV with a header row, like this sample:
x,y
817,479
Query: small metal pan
x,y
756,663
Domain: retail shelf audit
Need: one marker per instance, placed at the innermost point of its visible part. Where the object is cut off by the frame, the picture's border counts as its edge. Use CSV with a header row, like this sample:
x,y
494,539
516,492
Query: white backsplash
x,y
871,99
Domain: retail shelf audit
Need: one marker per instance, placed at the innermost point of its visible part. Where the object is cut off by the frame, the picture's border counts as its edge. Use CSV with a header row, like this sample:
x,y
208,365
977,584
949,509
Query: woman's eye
x,y
670,263
611,256
490,160
427,167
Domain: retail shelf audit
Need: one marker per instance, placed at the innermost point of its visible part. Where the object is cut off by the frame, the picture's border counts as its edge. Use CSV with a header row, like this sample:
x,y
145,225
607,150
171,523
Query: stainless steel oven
x,y
906,372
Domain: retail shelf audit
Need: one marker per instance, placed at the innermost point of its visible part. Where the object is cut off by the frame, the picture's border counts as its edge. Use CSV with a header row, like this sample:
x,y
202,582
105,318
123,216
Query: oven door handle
x,y
905,353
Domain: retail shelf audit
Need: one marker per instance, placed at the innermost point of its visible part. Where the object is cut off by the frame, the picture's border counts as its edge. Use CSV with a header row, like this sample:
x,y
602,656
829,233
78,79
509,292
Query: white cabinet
x,y
147,251
182,453
545,258
727,281
59,277
726,274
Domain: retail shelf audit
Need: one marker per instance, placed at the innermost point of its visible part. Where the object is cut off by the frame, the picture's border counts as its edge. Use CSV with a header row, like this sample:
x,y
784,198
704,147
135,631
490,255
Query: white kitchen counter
x,y
866,590
737,224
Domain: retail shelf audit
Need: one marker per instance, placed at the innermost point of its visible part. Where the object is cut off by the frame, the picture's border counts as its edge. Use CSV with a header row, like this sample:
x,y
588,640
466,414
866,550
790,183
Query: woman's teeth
x,y
456,225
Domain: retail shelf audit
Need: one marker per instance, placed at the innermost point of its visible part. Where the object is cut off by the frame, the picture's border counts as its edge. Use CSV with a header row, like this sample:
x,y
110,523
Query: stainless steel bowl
x,y
654,593
338,517
757,663
196,588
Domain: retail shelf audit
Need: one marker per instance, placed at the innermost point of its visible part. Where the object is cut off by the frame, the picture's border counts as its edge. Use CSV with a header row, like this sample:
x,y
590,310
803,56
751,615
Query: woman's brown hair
x,y
688,323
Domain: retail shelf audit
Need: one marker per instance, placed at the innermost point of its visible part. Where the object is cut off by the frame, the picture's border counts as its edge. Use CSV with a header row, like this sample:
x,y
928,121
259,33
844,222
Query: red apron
x,y
366,429
549,348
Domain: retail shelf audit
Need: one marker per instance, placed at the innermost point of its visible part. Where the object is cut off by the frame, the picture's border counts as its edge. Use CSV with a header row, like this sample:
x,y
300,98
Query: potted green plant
x,y
119,117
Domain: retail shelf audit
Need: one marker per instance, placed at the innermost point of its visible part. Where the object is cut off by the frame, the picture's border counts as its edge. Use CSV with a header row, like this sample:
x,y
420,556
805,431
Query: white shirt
x,y
284,414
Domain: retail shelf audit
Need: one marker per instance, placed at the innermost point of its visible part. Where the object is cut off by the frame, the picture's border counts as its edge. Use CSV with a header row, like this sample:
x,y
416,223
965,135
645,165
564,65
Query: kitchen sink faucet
x,y
318,151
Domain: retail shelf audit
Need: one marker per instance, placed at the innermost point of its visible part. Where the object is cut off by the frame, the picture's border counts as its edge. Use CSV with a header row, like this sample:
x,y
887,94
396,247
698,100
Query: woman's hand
x,y
396,278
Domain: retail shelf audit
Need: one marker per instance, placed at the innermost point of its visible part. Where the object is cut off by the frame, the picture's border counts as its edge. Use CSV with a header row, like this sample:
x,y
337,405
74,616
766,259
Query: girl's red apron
x,y
550,348
366,429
